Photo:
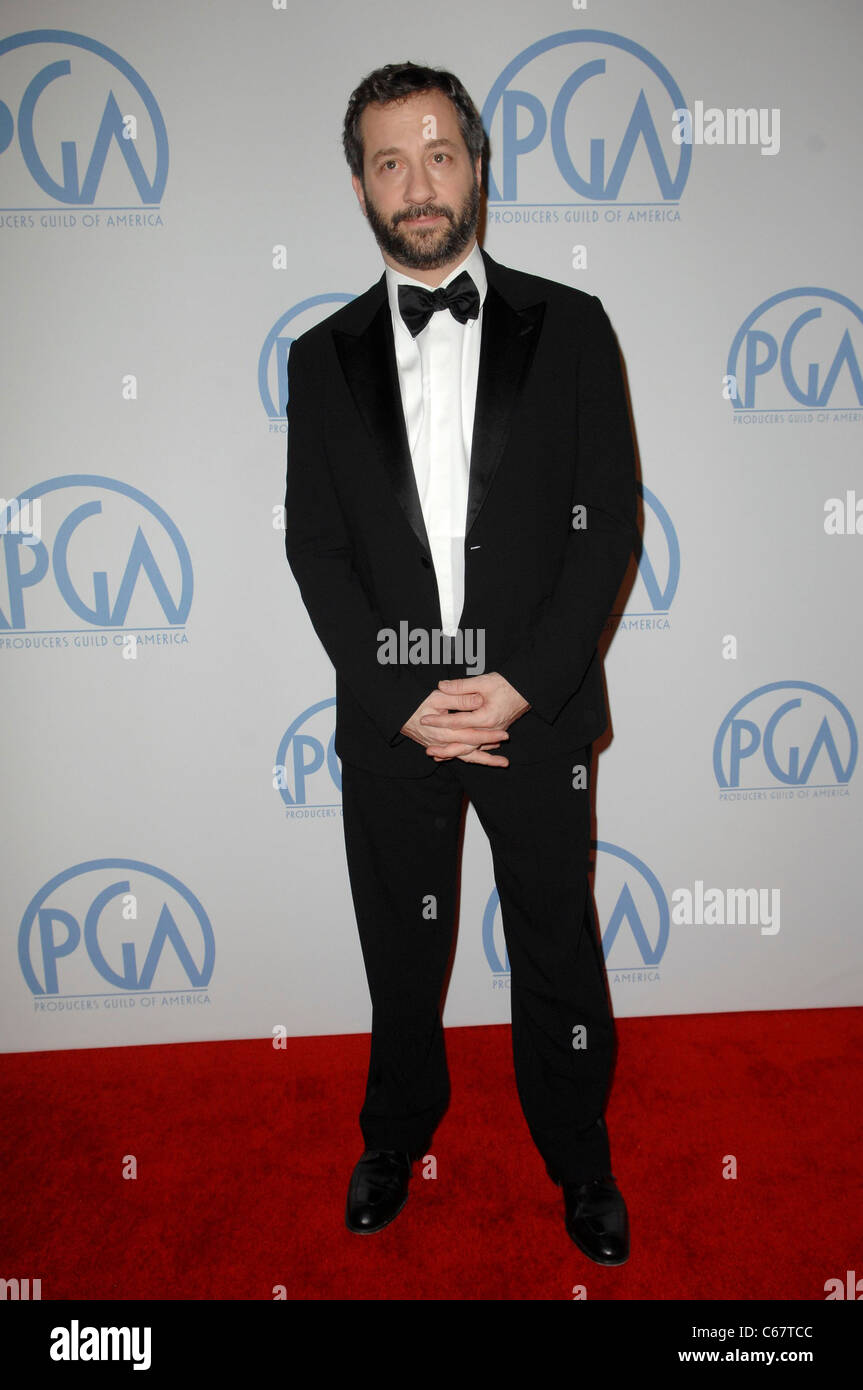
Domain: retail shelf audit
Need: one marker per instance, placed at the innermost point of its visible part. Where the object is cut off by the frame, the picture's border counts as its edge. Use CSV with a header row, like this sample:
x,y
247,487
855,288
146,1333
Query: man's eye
x,y
439,154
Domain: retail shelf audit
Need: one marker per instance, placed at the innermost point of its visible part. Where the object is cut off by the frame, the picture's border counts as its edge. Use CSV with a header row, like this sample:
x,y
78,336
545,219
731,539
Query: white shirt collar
x,y
472,263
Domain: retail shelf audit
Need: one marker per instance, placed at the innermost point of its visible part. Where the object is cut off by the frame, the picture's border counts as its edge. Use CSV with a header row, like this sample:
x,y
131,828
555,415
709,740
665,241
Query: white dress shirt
x,y
437,378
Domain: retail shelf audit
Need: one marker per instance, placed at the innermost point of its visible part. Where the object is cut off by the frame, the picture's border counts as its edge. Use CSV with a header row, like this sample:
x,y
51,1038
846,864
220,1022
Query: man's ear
x,y
358,189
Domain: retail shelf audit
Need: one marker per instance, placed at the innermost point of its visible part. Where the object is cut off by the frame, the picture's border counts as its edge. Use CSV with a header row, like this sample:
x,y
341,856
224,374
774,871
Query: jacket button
x,y
426,564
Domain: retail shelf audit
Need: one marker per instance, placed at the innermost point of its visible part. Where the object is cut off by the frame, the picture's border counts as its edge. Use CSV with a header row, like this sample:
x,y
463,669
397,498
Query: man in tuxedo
x,y
460,512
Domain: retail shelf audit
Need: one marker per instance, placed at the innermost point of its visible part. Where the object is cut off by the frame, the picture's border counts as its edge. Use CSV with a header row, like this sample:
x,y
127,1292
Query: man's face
x,y
419,190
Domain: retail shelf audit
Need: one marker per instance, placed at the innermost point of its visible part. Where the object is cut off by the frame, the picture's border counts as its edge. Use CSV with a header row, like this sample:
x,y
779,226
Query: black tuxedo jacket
x,y
551,432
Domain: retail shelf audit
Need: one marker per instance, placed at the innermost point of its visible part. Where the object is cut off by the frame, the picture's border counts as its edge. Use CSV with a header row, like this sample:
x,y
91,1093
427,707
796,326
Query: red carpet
x,y
244,1152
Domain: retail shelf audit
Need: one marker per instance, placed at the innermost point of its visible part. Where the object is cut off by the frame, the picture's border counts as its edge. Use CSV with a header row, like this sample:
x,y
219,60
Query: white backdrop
x,y
158,884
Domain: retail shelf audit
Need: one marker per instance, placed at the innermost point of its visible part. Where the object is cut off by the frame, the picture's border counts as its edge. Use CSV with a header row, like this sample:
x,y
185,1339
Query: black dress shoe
x,y
378,1190
596,1220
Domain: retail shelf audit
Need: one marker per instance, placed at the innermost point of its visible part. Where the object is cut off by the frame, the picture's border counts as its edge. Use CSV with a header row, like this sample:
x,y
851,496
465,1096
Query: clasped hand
x,y
466,718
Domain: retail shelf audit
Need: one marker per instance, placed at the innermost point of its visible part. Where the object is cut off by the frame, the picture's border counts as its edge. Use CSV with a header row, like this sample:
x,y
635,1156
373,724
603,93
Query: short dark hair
x,y
399,80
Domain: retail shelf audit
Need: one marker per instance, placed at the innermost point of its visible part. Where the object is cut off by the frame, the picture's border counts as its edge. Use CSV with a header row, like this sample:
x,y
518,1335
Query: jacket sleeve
x,y
320,554
548,669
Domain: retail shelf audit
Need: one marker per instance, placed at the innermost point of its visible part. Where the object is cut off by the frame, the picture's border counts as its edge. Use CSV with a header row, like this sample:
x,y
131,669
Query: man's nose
x,y
418,188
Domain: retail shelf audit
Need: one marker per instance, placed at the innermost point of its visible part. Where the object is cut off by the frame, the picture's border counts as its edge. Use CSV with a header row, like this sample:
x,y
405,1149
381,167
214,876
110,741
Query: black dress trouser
x,y
401,838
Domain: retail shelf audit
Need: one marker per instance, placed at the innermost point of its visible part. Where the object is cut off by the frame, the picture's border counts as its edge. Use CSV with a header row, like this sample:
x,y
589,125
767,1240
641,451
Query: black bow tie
x,y
416,305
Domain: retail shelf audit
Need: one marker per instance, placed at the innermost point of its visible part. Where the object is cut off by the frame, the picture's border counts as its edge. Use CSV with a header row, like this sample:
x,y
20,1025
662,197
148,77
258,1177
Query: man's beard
x,y
422,249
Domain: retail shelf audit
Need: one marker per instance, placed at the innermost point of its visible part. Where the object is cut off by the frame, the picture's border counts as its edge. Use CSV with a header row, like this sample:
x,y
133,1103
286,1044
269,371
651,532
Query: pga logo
x,y
798,351
111,557
630,901
589,113
658,573
788,734
118,922
273,357
307,771
79,122
633,905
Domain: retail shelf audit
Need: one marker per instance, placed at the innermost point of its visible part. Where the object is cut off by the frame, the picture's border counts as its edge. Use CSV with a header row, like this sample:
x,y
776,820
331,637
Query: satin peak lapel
x,y
368,361
509,339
